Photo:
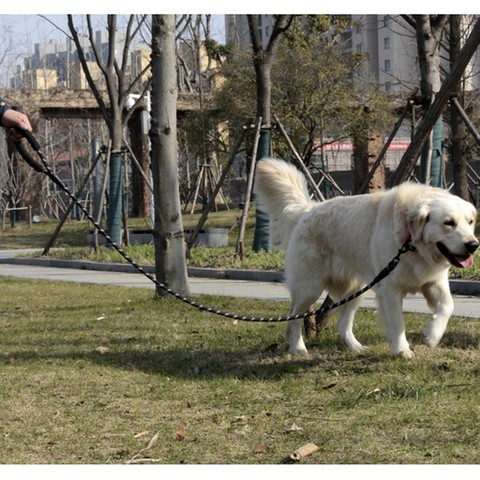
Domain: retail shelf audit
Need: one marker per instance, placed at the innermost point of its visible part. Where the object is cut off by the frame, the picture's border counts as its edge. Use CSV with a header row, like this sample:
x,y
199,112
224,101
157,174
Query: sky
x,y
44,26
246,6
20,32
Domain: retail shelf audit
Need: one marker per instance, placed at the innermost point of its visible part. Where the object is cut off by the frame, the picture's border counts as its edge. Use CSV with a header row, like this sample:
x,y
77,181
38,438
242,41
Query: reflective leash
x,y
43,167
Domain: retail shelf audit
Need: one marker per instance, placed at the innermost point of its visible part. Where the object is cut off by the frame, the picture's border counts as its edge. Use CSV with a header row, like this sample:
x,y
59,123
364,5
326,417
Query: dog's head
x,y
442,229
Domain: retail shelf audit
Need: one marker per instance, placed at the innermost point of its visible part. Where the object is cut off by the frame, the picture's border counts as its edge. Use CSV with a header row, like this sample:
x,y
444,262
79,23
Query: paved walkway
x,y
465,305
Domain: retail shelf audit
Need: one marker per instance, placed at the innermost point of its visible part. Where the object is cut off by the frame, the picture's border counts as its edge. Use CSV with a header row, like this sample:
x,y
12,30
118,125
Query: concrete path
x,y
465,305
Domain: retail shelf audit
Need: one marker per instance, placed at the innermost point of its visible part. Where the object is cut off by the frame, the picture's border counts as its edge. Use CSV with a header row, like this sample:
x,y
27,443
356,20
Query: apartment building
x,y
56,64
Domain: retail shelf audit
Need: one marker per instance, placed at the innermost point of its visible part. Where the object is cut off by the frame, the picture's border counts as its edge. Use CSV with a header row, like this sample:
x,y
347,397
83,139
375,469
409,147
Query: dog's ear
x,y
409,221
417,219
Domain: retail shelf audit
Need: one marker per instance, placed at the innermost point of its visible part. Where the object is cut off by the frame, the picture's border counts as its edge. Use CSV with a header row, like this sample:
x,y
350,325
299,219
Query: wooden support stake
x,y
204,216
300,164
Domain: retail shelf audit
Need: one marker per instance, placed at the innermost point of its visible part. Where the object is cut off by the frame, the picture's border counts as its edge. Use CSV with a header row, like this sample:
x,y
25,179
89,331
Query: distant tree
x,y
115,85
315,89
198,56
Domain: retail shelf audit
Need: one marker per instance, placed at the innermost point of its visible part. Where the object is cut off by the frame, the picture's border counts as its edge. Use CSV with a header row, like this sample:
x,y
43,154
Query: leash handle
x,y
30,138
24,153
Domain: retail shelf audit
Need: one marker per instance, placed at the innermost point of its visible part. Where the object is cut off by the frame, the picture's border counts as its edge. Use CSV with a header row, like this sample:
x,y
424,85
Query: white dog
x,y
340,245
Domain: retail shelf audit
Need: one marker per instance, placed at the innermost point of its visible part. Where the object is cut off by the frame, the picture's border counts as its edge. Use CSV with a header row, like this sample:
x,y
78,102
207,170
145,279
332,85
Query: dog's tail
x,y
281,191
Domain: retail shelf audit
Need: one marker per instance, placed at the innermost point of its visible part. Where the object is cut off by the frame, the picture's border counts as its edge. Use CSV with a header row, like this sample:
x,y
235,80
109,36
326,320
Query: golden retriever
x,y
341,244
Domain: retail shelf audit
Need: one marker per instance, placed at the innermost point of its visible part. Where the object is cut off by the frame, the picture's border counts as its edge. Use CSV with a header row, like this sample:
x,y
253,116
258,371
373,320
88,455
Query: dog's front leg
x,y
390,309
440,300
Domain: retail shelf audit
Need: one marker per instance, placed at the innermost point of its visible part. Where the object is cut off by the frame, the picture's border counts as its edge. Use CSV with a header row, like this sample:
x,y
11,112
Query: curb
x,y
197,272
458,287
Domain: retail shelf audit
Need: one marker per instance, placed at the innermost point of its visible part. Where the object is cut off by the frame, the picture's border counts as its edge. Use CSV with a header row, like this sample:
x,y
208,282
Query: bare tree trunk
x,y
458,133
429,30
170,265
366,148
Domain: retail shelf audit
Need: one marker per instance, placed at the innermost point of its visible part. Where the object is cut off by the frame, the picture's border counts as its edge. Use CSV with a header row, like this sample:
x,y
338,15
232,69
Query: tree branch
x,y
86,71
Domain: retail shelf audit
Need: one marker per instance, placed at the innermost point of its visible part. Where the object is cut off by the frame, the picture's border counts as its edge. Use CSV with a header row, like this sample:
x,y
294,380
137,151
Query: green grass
x,y
111,375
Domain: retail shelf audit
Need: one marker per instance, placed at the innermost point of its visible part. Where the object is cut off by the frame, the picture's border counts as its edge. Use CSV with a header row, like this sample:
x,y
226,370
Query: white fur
x,y
340,245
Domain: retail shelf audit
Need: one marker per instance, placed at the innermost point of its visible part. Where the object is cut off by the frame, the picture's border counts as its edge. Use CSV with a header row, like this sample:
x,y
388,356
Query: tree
x,y
197,58
170,267
327,102
262,62
113,80
407,163
315,90
429,31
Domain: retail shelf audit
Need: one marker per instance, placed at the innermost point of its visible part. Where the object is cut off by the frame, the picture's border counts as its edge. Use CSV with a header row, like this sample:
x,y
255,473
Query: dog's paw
x,y
299,351
407,353
361,350
432,339
358,349
355,346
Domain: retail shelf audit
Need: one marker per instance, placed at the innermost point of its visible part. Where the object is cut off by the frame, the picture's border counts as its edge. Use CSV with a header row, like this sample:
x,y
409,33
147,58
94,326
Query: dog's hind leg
x,y
345,325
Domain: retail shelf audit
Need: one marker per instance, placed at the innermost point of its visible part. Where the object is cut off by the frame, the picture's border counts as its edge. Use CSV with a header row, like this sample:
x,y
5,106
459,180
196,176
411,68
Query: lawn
x,y
111,375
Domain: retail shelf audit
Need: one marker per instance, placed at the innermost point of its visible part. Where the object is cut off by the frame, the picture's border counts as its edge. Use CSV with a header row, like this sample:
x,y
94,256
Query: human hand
x,y
12,118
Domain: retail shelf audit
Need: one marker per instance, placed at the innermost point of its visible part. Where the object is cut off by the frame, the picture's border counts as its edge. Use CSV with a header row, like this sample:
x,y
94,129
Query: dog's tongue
x,y
465,261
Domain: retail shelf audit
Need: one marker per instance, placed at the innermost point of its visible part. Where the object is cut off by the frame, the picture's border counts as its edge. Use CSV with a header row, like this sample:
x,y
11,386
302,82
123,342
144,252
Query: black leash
x,y
43,167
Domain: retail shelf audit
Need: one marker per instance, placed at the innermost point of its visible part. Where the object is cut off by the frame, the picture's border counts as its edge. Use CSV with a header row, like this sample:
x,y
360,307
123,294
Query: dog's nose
x,y
471,246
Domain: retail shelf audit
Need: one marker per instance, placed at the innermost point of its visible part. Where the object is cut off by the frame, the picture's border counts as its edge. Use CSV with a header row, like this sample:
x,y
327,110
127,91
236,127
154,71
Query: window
x,y
388,87
359,47
387,65
386,20
346,38
386,43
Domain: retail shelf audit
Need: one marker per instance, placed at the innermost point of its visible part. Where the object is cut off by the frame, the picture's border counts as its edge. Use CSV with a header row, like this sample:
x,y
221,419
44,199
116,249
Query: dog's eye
x,y
470,222
450,223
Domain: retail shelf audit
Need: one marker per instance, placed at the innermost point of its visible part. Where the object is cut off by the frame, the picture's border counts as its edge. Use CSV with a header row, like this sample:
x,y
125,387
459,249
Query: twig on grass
x,y
137,458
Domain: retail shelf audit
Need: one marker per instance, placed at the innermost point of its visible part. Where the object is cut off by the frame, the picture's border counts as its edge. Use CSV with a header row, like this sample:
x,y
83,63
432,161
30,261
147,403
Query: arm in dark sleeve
x,y
3,108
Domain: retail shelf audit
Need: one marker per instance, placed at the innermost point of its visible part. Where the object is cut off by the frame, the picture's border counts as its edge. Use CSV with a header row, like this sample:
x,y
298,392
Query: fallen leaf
x,y
261,448
295,428
141,434
180,435
102,350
